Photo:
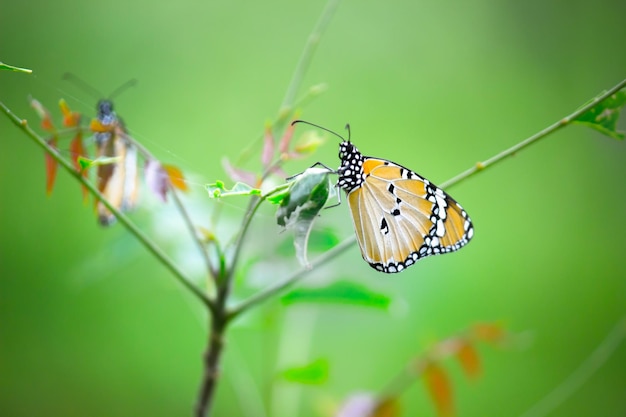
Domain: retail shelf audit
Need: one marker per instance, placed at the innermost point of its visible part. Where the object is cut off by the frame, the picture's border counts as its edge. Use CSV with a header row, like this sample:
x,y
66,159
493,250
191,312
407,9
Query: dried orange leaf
x,y
51,167
70,118
387,407
468,357
77,150
489,332
44,115
439,388
177,179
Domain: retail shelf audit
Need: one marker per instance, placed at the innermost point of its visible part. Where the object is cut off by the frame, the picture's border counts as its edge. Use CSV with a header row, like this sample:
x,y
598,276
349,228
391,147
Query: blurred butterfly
x,y
117,181
399,216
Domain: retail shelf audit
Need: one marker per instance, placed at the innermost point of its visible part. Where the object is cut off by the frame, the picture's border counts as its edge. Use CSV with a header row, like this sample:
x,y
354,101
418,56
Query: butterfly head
x,y
106,115
351,170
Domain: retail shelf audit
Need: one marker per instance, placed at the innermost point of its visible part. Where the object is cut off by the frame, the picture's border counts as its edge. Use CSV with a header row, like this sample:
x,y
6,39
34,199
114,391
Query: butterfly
x,y
399,216
117,175
118,181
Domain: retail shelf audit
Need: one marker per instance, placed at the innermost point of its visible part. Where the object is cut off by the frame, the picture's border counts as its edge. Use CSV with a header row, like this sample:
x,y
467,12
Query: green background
x,y
91,325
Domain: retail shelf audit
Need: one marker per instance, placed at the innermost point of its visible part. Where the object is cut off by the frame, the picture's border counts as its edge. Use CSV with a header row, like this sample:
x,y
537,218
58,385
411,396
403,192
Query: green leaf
x,y
278,197
8,67
604,115
218,190
314,373
305,197
84,163
307,194
341,292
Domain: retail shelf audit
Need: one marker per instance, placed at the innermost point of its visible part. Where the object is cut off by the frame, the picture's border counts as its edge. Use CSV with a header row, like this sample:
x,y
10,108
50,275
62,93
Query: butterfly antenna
x,y
80,83
349,132
130,83
321,127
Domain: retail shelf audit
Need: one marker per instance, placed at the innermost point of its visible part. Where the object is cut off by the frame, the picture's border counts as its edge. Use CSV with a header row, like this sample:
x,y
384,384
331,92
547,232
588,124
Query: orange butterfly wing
x,y
400,217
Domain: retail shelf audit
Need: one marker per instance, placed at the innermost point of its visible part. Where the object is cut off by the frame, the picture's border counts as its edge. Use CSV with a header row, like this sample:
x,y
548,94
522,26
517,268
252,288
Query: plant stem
x,y
220,317
183,212
307,54
481,166
568,387
295,277
280,120
123,219
211,364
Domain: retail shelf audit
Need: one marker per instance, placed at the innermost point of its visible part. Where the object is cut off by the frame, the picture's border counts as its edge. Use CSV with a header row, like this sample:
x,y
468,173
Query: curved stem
x,y
596,359
307,53
183,213
292,279
281,119
298,74
123,219
254,205
481,166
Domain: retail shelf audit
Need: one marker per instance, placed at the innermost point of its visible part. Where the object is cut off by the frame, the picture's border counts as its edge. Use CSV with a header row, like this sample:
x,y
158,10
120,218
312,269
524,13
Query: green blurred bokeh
x,y
91,325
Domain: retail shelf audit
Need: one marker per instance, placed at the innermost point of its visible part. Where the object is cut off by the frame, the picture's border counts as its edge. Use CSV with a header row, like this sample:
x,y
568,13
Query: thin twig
x,y
183,212
307,54
281,119
123,219
567,388
288,103
481,166
292,279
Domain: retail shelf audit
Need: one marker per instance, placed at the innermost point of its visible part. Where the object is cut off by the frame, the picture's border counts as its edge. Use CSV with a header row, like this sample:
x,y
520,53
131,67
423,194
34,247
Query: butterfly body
x,y
399,217
118,181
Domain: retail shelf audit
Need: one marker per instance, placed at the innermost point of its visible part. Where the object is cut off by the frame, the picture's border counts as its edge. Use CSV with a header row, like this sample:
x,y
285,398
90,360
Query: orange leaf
x,y
387,407
70,118
51,167
469,359
489,332
177,179
44,114
77,150
439,389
